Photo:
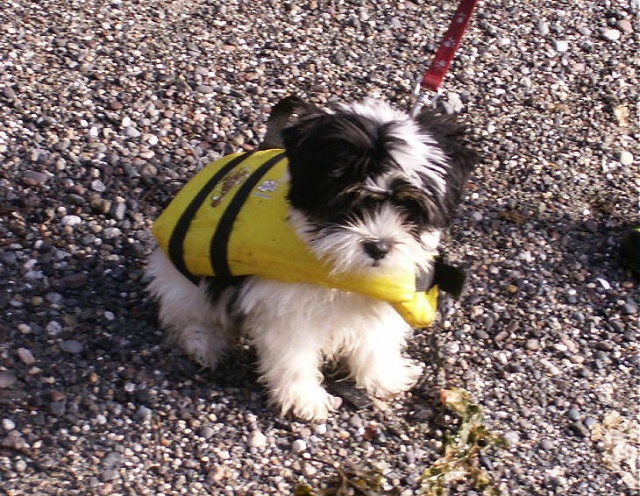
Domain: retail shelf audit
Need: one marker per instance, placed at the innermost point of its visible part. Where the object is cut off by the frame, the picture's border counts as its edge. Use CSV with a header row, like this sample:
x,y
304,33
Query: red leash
x,y
432,79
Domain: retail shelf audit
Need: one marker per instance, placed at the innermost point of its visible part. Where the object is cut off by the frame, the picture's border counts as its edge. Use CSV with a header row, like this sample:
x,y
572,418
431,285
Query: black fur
x,y
452,137
332,155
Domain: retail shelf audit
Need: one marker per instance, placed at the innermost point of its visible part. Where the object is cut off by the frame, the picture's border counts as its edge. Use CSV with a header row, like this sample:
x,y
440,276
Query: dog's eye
x,y
412,204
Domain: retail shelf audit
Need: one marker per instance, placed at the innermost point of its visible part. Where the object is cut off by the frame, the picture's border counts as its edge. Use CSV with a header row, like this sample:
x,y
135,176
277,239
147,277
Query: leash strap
x,y
432,79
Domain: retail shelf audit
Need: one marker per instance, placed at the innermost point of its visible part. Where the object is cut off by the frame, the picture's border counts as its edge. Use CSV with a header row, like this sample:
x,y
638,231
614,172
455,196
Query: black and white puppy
x,y
371,188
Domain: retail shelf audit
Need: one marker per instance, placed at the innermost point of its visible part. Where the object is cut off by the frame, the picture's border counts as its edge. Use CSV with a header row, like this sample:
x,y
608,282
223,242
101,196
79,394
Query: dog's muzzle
x,y
377,248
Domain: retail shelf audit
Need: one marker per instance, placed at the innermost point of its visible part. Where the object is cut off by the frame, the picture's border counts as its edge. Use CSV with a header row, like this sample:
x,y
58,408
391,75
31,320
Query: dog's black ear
x,y
282,115
448,278
455,140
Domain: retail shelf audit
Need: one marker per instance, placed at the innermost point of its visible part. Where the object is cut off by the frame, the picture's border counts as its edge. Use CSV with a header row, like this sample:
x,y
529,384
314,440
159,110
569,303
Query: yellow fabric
x,y
263,243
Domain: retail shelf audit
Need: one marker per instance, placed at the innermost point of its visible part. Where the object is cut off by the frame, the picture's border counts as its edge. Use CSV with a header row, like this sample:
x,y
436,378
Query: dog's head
x,y
372,188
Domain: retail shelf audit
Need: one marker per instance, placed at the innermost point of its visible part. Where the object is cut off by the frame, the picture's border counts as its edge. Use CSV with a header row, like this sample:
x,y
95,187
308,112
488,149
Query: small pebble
x,y
109,475
573,414
8,424
112,233
625,26
72,346
7,379
207,432
453,104
610,34
532,344
54,328
299,445
57,408
33,178
112,460
8,93
20,466
551,368
132,132
630,307
625,158
561,46
73,281
98,185
258,440
512,437
26,356
24,328
118,210
320,429
546,445
543,28
71,220
579,429
143,413
589,422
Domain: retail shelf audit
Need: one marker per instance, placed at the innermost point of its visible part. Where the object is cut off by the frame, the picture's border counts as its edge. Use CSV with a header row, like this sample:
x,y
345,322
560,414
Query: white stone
x,y
320,429
611,34
543,28
512,438
71,220
625,158
561,46
299,445
8,424
257,439
112,233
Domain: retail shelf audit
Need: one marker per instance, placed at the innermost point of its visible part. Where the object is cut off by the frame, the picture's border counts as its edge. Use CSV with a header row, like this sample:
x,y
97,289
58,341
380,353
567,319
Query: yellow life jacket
x,y
231,220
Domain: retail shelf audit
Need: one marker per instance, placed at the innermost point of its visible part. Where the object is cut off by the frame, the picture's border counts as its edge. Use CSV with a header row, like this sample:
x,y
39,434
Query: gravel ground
x,y
104,105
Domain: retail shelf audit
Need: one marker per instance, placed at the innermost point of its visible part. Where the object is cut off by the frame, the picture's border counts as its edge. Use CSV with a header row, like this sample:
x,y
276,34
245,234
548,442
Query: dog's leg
x,y
279,319
375,360
201,328
290,361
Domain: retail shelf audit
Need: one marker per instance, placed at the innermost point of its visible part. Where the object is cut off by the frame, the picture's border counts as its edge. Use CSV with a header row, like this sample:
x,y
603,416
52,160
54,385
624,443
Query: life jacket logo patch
x,y
229,182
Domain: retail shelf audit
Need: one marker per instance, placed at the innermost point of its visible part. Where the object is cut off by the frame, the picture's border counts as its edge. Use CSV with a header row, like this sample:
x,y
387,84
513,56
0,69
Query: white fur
x,y
341,246
295,328
192,321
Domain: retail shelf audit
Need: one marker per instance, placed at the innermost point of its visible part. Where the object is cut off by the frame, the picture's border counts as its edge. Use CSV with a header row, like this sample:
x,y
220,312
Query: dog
x,y
371,189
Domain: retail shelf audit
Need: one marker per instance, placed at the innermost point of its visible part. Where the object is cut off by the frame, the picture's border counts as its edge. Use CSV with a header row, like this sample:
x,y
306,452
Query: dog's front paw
x,y
391,381
306,401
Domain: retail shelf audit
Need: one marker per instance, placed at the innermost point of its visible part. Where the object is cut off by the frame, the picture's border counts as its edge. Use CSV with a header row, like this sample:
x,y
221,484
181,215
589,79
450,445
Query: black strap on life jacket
x,y
176,242
220,241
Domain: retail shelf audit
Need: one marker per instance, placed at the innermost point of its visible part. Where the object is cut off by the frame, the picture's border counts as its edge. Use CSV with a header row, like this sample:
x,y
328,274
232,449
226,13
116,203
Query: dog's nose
x,y
377,249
